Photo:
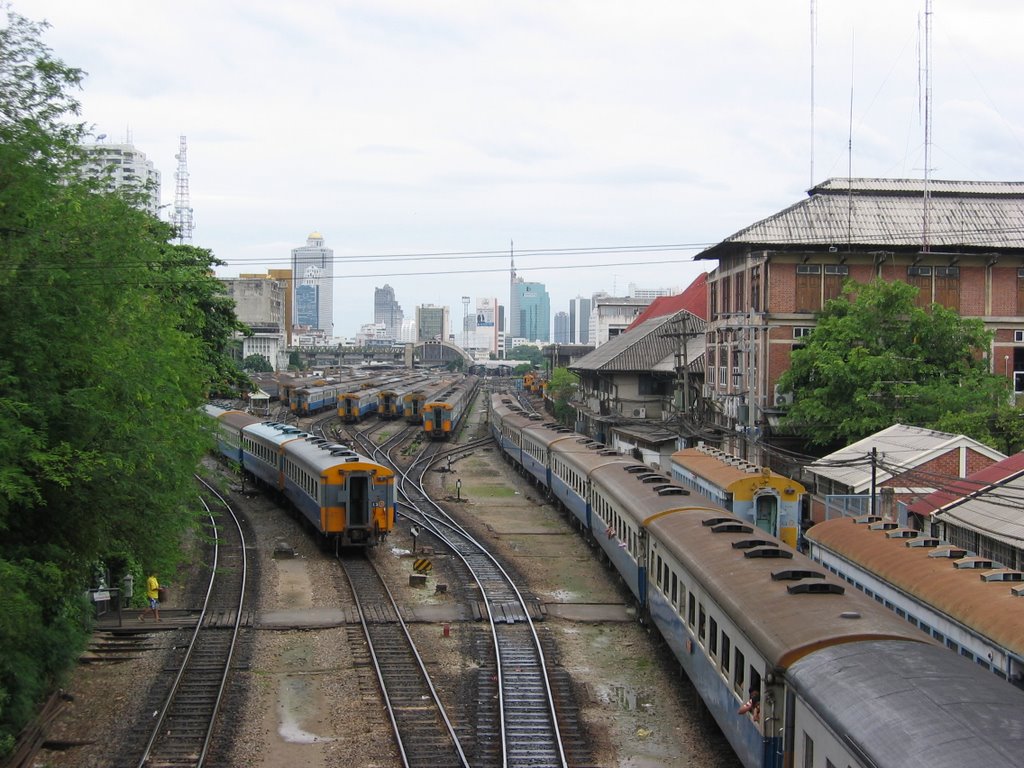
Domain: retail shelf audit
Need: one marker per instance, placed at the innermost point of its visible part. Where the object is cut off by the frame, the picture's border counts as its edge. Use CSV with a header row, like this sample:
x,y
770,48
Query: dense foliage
x,y
527,352
561,389
112,339
879,360
257,363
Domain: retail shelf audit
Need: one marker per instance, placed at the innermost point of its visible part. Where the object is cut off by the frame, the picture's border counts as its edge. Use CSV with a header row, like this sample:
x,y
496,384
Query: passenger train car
x,y
414,398
970,604
346,497
310,400
441,416
762,497
355,405
842,682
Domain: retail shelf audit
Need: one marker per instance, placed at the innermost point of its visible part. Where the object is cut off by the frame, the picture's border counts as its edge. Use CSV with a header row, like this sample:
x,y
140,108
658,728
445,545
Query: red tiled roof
x,y
960,489
694,300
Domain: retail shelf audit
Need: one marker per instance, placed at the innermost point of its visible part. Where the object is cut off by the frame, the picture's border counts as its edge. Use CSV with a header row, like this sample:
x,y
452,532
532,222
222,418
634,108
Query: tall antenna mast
x,y
182,218
814,43
926,224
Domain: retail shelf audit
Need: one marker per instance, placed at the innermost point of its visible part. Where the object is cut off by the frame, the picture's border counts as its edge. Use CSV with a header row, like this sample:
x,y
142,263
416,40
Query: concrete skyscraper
x,y
387,311
579,320
313,285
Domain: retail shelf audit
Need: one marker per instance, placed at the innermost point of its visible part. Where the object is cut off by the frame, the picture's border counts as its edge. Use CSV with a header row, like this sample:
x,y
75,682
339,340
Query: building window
x,y
808,287
800,331
832,285
947,287
921,278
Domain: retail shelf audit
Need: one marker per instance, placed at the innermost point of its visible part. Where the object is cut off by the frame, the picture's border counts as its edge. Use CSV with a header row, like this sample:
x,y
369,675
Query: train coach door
x,y
766,513
358,501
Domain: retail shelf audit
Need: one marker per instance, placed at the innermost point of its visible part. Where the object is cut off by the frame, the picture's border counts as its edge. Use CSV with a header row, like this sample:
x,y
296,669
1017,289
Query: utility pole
x,y
874,479
683,366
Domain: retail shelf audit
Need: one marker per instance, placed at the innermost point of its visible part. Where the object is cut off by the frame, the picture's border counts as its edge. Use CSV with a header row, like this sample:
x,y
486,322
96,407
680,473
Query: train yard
x,y
311,685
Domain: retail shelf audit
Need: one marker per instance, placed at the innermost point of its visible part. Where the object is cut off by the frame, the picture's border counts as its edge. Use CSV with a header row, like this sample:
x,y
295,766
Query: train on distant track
x,y
441,416
839,681
346,497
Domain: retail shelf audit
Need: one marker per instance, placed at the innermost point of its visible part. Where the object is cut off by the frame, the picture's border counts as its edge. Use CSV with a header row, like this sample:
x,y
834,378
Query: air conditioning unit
x,y
783,398
640,413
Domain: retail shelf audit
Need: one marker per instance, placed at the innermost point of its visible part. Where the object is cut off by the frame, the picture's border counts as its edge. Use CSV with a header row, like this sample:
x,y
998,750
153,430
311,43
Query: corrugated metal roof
x,y
900,445
652,345
880,213
998,513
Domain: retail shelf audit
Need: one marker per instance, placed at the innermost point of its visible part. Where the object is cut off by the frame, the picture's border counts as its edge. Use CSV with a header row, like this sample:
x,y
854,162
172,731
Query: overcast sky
x,y
590,133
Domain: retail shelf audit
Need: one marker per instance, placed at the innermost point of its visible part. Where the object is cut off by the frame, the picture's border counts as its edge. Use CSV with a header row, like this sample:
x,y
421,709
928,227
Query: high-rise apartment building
x,y
386,310
432,323
579,320
313,285
124,167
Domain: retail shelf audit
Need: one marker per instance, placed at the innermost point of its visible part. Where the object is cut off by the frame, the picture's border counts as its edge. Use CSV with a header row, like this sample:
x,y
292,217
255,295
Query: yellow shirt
x,y
152,588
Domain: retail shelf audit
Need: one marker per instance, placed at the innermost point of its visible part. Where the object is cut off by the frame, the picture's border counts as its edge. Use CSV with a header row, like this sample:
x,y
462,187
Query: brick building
x,y
960,242
900,464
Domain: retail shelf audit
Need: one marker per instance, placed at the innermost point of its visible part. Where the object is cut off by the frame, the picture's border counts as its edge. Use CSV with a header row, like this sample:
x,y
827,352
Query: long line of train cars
x,y
441,416
841,680
346,497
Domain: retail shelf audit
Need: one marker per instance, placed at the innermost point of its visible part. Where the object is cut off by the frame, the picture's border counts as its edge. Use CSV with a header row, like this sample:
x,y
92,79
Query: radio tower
x,y
182,218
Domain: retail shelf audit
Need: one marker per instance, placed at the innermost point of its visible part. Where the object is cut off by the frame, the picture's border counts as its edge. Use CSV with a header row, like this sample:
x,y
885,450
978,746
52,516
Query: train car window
x,y
691,612
982,663
952,645
808,751
701,622
726,653
755,678
675,589
713,637
658,567
739,666
966,652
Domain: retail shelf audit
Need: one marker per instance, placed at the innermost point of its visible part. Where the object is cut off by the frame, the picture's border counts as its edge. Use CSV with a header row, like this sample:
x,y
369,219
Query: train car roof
x,y
918,706
784,602
239,419
645,491
979,597
323,455
273,432
725,470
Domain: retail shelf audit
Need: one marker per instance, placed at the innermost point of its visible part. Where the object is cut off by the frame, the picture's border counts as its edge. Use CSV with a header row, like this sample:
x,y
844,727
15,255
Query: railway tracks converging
x,y
526,731
183,727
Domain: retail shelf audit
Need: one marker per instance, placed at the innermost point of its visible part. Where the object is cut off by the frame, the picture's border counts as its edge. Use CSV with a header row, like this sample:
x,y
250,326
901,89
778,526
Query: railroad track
x,y
183,727
527,732
425,736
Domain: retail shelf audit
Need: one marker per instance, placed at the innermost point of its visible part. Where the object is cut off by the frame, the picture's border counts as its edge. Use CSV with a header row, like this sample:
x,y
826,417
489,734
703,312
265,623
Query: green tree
x,y
113,337
878,359
561,388
527,352
257,363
